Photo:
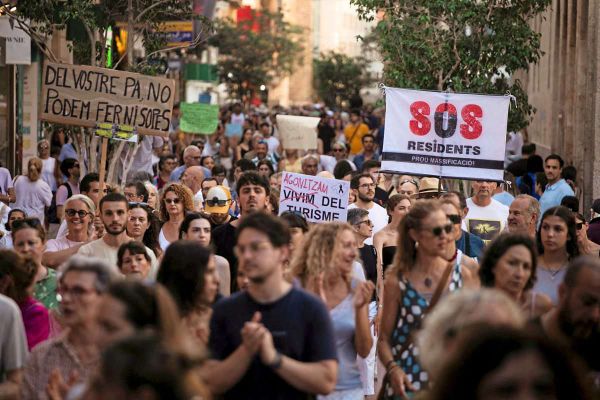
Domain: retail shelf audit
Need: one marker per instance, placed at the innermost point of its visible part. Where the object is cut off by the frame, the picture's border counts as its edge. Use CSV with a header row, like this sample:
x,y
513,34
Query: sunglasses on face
x,y
579,226
437,231
368,222
338,150
454,218
173,201
80,213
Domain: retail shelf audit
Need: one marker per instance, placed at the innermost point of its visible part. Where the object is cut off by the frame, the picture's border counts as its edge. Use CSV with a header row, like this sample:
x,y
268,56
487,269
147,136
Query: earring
x,y
416,245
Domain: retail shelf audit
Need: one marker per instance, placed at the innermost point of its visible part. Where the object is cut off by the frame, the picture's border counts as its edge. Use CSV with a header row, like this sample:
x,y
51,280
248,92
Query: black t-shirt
x,y
223,237
368,256
301,329
326,134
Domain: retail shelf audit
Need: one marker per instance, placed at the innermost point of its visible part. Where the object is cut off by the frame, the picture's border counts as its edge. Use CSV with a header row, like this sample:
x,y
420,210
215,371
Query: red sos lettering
x,y
445,120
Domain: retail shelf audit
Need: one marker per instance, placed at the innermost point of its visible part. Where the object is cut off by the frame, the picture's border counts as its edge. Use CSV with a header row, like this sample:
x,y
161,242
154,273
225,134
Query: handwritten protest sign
x,y
318,199
298,132
199,118
445,134
84,96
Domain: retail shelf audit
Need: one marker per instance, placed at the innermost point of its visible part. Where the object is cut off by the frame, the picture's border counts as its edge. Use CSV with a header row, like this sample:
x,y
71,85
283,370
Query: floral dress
x,y
411,311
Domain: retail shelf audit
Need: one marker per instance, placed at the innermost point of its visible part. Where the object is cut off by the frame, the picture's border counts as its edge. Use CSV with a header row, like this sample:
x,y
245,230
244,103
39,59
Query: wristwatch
x,y
276,363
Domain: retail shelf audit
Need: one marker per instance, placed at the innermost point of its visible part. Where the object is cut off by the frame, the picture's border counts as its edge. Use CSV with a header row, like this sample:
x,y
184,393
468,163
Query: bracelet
x,y
393,367
276,363
388,364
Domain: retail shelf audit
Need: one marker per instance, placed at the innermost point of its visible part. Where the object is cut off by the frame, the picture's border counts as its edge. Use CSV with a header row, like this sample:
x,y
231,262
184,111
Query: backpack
x,y
52,214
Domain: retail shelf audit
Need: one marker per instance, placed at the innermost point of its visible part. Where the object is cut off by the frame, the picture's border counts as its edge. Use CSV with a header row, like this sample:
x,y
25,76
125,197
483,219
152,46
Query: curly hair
x,y
497,249
185,195
317,251
406,254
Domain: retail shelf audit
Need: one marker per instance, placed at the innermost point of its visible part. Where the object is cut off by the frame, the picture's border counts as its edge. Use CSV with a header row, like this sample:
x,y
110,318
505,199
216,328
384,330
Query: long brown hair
x,y
406,251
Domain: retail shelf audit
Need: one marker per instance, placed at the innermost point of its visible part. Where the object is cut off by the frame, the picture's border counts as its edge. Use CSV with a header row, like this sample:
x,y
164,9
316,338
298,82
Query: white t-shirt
x,y
32,197
142,161
485,222
5,180
48,166
13,341
98,248
60,244
378,217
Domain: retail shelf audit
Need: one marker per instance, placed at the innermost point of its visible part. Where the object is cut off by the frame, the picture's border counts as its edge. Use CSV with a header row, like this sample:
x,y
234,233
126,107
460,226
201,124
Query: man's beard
x,y
111,230
365,198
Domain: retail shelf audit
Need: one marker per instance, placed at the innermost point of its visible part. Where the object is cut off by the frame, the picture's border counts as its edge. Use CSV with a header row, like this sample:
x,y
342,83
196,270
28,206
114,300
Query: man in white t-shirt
x,y
113,212
272,141
363,187
192,178
486,217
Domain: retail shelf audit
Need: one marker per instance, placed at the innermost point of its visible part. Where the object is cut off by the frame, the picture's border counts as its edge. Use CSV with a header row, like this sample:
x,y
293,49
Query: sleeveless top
x,y
411,309
387,254
162,241
292,167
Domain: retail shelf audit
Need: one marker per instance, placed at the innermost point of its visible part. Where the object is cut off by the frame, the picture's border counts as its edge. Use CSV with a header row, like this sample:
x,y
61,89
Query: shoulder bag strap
x,y
354,134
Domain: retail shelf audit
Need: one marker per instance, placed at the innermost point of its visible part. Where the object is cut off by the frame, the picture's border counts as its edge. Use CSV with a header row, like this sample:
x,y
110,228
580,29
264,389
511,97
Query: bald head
x,y
192,156
192,177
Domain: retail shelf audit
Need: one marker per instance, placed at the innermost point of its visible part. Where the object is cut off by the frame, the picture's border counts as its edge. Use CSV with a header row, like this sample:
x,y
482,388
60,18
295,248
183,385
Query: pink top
x,y
36,321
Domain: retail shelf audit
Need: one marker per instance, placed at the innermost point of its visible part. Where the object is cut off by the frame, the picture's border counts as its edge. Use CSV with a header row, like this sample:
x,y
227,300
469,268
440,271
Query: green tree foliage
x,y
337,77
458,45
256,52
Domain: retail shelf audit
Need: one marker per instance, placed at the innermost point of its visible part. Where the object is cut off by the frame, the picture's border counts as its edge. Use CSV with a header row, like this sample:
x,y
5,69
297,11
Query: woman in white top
x,y
176,201
50,170
79,214
32,193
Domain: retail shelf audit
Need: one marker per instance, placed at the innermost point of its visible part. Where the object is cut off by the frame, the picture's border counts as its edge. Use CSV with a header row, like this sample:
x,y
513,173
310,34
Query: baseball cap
x,y
218,200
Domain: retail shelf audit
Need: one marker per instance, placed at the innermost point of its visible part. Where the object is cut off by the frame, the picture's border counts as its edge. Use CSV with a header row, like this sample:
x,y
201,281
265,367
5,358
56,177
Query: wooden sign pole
x,y
102,167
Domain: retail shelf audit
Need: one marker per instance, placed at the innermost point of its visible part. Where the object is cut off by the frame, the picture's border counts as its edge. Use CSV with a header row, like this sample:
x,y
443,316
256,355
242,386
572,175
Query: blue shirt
x,y
504,198
554,194
471,245
177,172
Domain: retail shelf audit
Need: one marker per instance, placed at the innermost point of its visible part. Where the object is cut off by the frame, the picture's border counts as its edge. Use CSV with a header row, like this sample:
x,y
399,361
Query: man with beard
x,y
363,187
218,203
523,215
271,340
575,322
486,217
113,213
253,194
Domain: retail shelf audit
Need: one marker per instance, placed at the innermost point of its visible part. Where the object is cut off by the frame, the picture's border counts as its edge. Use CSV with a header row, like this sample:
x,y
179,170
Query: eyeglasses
x,y
72,212
454,218
254,247
368,222
579,226
173,201
337,150
437,231
367,186
216,202
44,147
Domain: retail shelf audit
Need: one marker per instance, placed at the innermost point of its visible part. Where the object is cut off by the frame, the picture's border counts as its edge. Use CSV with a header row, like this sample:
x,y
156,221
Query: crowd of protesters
x,y
186,282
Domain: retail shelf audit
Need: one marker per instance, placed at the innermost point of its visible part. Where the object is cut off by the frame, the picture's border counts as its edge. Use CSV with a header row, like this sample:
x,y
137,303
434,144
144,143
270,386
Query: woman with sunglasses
x,y
557,245
453,214
421,273
196,227
33,195
324,266
144,227
585,245
79,214
6,239
29,238
176,201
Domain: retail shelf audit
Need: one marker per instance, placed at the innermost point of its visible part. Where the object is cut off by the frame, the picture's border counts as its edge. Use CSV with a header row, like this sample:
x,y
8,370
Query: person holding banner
x,y
421,274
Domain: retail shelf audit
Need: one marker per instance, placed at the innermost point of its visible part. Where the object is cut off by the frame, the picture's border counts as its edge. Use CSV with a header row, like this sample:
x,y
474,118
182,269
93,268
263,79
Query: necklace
x,y
428,281
553,272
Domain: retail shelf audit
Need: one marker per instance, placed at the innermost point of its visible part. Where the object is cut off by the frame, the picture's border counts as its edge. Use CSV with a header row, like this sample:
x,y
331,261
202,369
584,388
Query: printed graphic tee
x,y
485,222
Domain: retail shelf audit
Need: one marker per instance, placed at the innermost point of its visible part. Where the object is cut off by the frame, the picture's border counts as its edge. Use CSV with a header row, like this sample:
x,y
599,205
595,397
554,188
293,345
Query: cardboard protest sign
x,y
83,95
445,134
199,118
296,132
318,199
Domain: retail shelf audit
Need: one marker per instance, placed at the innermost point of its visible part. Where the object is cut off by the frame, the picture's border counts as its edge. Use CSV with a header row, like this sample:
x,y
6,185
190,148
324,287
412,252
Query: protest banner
x,y
199,118
85,96
318,199
445,134
298,133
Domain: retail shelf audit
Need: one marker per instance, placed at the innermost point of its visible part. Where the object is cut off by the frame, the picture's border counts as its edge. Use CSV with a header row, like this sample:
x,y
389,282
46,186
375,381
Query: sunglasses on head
x,y
437,231
216,202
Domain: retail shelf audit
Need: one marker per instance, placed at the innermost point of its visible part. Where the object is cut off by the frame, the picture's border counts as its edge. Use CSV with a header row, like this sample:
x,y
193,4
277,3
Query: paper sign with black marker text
x,y
318,199
445,134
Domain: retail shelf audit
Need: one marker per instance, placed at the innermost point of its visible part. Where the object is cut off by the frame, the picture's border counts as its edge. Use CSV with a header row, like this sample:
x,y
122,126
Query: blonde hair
x,y
406,253
34,175
84,199
457,312
315,255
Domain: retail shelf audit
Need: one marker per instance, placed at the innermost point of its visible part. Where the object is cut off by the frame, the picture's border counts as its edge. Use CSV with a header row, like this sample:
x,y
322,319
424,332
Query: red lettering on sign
x,y
472,128
420,125
446,107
